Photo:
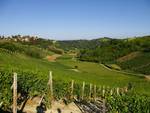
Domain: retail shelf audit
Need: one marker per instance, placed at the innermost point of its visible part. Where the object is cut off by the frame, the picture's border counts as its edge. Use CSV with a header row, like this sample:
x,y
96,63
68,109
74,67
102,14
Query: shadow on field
x,y
1,111
41,108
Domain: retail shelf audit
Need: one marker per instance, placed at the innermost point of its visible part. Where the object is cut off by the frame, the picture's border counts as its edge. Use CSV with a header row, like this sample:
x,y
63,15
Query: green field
x,y
63,69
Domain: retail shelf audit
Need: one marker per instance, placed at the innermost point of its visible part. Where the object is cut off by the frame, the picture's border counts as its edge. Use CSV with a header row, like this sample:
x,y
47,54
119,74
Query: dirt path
x,y
57,107
124,72
53,58
32,106
60,107
147,77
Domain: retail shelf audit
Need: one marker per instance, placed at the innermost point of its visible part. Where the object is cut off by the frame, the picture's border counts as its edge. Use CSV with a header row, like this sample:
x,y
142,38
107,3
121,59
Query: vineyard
x,y
89,97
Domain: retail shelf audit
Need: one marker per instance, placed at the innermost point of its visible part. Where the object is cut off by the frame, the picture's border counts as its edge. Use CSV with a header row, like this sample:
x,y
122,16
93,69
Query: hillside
x,y
32,63
140,63
81,44
105,50
123,52
111,50
63,69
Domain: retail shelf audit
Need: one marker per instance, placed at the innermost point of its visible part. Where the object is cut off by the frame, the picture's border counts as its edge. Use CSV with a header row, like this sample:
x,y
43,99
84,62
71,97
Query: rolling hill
x,y
131,54
64,69
33,60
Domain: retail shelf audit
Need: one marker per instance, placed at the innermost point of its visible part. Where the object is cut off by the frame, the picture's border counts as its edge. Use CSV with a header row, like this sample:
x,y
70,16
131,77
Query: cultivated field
x,y
65,68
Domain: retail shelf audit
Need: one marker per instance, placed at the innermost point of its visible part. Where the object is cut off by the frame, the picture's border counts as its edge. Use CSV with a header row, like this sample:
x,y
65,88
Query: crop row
x,y
29,85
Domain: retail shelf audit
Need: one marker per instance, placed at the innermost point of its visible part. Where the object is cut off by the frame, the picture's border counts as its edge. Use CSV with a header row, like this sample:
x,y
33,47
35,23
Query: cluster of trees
x,y
110,50
107,51
81,44
55,50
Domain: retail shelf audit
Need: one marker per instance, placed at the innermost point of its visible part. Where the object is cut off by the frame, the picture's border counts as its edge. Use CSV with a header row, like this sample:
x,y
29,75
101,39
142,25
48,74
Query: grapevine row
x,y
29,85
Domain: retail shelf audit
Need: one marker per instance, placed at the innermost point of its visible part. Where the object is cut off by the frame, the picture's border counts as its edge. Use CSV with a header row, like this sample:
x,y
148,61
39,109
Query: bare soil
x,y
57,107
76,70
147,77
53,58
128,57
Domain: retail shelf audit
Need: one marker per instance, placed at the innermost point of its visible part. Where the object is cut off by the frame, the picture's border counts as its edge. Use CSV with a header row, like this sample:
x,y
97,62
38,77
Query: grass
x,y
97,74
62,70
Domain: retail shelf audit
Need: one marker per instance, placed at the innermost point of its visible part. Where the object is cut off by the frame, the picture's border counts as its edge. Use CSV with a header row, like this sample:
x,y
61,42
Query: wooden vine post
x,y
15,93
111,92
99,91
90,93
94,92
125,89
41,99
117,90
82,95
103,91
72,88
50,84
104,106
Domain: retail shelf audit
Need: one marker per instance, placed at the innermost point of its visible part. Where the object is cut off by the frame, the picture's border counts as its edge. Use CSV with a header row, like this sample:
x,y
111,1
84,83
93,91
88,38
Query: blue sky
x,y
75,19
